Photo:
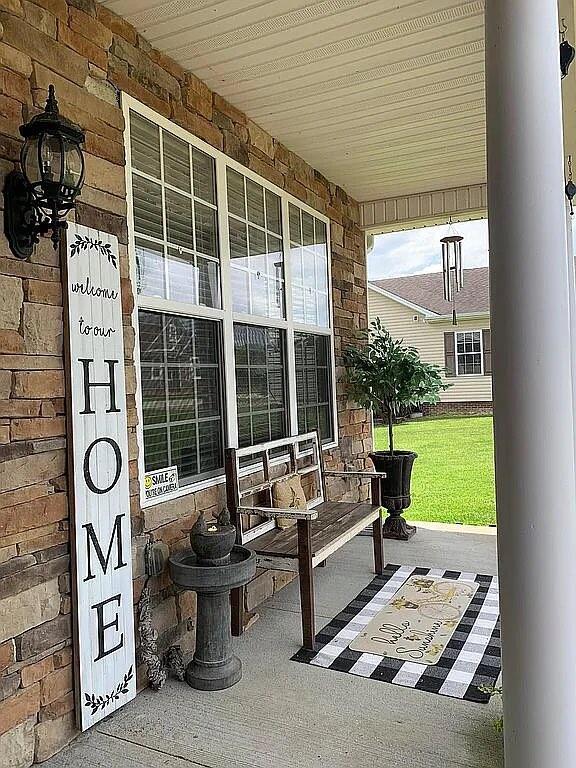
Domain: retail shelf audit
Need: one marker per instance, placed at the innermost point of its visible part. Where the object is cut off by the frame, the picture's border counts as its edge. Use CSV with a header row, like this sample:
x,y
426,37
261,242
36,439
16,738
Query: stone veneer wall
x,y
90,55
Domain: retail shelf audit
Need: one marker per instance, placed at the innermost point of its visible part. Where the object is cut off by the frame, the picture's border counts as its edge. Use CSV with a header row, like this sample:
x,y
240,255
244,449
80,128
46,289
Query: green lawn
x,y
453,476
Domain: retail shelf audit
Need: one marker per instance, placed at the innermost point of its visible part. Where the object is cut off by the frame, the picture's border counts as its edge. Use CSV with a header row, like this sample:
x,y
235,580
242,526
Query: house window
x,y
309,267
256,254
468,353
181,394
260,383
227,355
313,384
174,215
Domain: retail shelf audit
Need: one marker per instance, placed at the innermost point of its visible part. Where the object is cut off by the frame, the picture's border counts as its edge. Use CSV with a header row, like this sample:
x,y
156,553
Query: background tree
x,y
384,374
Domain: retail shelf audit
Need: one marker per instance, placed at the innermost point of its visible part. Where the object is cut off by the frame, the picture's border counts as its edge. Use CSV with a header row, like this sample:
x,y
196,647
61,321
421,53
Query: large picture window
x,y
260,383
227,355
313,384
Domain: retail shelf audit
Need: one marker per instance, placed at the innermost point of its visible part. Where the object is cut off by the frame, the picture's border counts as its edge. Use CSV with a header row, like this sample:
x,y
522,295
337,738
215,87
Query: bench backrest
x,y
251,473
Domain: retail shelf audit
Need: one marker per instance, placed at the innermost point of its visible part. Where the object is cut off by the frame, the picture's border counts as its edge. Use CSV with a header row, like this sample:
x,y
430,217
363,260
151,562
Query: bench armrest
x,y
273,512
354,473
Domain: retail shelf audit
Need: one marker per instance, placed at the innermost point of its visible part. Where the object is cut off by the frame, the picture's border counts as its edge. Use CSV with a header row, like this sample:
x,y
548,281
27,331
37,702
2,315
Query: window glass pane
x,y
235,188
144,145
176,161
255,202
273,215
208,282
205,220
150,331
314,384
179,219
307,229
153,394
295,224
182,276
149,269
203,173
181,394
147,203
260,383
156,449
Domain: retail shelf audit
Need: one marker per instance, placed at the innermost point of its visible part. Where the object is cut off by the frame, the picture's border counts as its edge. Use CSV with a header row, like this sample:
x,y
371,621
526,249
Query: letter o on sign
x,y
117,457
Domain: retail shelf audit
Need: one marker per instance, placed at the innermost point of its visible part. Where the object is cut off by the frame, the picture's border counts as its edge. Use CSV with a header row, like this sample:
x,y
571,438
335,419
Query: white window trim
x,y
469,375
225,315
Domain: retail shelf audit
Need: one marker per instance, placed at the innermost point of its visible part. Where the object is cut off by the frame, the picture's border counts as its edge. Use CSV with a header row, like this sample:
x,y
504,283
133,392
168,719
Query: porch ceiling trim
x,y
424,209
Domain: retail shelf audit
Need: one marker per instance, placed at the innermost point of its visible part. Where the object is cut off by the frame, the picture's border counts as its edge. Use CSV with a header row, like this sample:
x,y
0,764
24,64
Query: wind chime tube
x,y
460,271
446,272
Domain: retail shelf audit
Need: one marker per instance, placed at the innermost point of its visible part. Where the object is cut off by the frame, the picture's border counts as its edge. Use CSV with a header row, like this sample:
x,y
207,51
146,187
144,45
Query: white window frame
x,y
457,356
225,315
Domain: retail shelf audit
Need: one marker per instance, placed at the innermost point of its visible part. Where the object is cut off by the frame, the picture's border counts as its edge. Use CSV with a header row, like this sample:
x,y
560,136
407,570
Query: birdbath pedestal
x,y
212,568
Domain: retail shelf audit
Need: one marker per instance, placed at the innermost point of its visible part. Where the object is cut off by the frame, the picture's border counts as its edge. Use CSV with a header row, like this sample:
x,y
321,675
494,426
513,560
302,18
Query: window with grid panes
x,y
256,253
181,394
177,262
174,214
309,268
314,384
260,383
468,353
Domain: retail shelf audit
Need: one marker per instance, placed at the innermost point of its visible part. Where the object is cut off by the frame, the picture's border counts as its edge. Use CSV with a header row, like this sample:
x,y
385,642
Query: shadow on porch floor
x,y
288,715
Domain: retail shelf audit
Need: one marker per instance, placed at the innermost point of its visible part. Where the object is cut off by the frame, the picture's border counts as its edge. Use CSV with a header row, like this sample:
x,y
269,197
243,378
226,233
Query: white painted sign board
x,y
105,661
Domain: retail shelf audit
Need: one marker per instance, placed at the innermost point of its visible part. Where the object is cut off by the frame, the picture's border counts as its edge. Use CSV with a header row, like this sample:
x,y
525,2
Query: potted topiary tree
x,y
384,375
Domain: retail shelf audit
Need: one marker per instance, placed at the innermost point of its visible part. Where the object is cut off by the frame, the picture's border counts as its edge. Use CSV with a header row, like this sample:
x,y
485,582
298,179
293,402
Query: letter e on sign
x,y
105,673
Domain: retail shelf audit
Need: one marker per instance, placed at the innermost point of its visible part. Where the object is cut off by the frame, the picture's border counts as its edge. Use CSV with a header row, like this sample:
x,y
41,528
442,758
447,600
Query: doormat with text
x,y
467,662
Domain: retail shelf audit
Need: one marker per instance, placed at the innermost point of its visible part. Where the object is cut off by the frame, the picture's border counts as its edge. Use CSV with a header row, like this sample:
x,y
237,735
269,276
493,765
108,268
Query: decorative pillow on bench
x,y
287,493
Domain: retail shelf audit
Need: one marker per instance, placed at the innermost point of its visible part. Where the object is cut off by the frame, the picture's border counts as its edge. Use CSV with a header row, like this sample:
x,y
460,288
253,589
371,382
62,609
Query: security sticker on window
x,y
160,482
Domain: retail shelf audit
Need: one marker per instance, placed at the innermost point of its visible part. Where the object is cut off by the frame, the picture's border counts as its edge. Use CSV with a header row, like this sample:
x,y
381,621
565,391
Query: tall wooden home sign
x,y
98,463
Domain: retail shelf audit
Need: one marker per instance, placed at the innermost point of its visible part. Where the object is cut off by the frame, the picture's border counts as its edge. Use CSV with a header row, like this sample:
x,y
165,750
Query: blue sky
x,y
418,250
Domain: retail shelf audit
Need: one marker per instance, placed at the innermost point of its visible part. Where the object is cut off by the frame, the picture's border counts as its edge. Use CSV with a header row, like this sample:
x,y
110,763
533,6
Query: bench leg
x,y
306,577
237,601
378,541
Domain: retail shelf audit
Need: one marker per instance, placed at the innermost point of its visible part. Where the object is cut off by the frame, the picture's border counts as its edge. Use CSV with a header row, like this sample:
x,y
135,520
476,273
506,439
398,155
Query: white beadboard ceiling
x,y
384,97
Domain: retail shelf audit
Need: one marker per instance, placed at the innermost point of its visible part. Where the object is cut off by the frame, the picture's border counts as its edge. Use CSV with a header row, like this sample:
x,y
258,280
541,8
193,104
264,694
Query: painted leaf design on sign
x,y
84,243
101,702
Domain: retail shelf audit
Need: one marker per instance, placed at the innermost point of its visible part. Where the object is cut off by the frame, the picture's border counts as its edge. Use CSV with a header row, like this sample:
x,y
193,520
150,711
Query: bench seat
x,y
337,523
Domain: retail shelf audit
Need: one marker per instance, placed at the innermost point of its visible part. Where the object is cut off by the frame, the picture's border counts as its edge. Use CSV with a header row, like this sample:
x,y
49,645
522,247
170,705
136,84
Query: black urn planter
x,y
395,490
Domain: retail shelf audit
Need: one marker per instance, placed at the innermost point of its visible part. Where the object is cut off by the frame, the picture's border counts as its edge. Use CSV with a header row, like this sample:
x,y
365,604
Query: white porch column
x,y
533,396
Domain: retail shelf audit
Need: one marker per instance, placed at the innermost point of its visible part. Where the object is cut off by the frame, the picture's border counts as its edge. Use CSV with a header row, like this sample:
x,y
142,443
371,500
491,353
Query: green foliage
x,y
384,374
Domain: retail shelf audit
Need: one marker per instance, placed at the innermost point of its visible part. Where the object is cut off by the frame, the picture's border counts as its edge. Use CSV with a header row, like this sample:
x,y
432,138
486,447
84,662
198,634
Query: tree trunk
x,y
390,432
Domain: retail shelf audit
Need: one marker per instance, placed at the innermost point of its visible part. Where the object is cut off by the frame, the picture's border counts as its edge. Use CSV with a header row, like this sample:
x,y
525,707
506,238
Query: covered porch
x,y
288,715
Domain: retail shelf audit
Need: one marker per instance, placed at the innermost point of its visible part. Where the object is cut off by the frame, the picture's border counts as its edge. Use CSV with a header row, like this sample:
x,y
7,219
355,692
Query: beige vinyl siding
x,y
428,338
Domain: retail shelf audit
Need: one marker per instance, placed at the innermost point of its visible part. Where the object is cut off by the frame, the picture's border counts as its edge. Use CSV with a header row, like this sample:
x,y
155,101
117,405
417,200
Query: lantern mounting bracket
x,y
22,224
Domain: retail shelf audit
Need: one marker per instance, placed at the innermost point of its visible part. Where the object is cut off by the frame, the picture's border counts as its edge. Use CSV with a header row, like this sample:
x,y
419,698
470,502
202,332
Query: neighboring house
x,y
413,309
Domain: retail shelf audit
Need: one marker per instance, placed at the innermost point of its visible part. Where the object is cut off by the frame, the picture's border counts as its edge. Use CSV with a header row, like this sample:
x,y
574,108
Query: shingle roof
x,y
427,291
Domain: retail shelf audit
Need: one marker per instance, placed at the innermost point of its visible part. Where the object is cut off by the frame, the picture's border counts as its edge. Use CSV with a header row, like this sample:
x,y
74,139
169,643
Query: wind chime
x,y
452,272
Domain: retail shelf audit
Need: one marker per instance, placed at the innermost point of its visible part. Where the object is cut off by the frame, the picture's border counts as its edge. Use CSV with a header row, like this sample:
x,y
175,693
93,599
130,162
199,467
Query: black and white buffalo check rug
x,y
470,660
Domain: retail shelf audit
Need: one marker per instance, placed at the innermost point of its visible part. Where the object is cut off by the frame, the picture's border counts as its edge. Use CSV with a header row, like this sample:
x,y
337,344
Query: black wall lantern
x,y
38,198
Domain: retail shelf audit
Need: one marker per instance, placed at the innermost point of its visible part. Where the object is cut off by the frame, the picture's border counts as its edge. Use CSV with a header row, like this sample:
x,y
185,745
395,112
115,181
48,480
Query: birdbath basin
x,y
213,666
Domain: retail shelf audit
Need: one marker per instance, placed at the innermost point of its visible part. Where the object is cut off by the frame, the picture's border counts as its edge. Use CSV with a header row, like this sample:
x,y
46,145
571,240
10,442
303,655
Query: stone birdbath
x,y
213,568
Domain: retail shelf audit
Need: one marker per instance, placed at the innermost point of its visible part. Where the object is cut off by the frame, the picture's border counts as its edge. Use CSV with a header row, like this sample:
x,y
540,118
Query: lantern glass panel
x,y
51,158
30,161
73,165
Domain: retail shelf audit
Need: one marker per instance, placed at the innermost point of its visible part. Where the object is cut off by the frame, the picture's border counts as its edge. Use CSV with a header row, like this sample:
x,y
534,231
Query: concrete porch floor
x,y
288,715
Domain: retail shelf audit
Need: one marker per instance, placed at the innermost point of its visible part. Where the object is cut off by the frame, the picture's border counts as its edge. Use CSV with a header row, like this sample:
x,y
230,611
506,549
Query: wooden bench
x,y
320,530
